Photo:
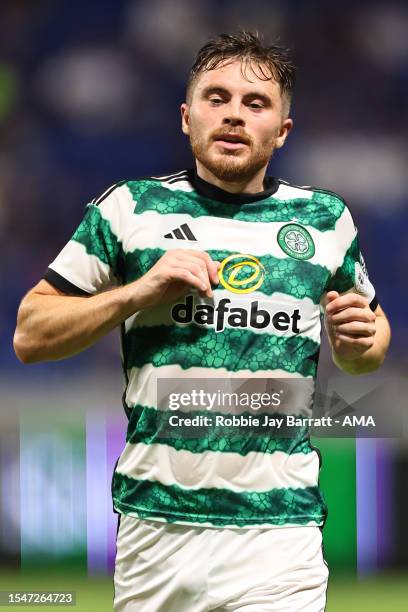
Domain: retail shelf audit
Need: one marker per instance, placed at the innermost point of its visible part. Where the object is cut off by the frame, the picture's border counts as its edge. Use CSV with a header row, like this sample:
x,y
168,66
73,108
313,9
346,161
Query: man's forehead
x,y
247,75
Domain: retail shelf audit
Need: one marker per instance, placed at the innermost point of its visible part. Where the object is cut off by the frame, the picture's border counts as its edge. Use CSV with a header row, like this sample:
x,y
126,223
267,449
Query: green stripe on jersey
x,y
95,234
150,426
233,349
344,277
217,506
297,278
320,211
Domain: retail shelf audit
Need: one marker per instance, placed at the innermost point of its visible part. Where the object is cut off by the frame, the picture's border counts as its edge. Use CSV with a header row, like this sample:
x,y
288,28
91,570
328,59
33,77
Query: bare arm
x,y
52,325
359,337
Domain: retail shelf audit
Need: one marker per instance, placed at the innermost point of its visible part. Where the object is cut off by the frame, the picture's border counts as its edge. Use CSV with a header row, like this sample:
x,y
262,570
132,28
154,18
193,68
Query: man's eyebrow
x,y
257,95
216,89
211,89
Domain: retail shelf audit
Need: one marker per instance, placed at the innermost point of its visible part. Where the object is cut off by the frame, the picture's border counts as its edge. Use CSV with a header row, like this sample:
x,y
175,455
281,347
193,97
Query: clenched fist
x,y
350,324
173,274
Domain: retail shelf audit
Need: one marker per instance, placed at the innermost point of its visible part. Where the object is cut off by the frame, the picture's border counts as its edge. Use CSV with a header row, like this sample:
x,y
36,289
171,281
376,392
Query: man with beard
x,y
215,272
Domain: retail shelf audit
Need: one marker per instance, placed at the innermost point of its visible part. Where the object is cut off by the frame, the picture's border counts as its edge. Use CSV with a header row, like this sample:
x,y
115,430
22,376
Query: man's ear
x,y
286,127
185,118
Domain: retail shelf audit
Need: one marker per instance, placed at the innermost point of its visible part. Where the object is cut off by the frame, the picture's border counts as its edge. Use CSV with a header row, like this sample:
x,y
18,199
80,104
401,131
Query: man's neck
x,y
253,185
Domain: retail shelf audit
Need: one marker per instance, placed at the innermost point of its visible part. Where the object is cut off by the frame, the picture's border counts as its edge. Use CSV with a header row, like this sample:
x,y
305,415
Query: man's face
x,y
234,124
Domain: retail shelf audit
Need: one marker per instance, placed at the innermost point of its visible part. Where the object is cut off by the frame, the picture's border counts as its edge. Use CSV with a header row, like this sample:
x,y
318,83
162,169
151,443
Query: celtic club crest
x,y
296,241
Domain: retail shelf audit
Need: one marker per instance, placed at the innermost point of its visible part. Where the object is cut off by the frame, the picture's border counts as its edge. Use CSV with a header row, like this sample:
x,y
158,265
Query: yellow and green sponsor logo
x,y
241,273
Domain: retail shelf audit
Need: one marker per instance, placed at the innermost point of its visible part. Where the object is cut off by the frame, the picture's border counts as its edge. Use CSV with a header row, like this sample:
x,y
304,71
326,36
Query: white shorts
x,y
163,567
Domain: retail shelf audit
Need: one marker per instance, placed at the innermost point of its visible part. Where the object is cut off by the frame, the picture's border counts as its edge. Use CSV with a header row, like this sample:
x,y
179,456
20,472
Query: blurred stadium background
x,y
89,95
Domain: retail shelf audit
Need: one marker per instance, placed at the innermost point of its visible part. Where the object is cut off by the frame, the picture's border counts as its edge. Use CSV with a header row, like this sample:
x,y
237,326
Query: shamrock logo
x,y
296,241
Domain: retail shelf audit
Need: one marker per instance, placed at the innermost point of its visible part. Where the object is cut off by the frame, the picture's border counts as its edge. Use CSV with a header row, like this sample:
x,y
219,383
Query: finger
x,y
345,301
216,265
174,264
195,264
353,314
360,341
212,267
188,277
209,266
331,295
356,328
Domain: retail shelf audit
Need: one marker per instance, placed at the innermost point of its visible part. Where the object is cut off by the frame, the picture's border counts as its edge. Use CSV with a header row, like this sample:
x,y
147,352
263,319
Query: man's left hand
x,y
350,324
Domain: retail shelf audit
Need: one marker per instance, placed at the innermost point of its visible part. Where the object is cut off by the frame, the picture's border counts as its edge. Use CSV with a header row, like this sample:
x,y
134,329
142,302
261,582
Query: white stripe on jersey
x,y
75,265
143,382
179,184
167,177
221,470
147,231
286,191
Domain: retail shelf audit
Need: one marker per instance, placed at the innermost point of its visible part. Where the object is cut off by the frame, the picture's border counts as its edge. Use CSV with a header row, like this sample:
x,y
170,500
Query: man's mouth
x,y
231,141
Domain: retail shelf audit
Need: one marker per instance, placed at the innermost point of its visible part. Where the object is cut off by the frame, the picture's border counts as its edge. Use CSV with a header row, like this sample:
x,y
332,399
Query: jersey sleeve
x,y
350,275
92,260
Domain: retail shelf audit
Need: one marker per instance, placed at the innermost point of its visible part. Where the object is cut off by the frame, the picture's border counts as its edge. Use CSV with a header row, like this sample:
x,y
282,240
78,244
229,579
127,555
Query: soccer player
x,y
218,271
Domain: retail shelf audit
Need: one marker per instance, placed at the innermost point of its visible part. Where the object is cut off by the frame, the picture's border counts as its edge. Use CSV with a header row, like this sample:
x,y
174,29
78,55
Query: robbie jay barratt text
x,y
278,422
248,421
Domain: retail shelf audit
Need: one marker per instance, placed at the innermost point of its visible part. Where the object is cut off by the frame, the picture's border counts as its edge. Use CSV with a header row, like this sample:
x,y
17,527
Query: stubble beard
x,y
231,166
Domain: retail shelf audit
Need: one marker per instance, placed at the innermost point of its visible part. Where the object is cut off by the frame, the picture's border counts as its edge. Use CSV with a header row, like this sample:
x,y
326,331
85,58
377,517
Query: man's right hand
x,y
52,325
172,275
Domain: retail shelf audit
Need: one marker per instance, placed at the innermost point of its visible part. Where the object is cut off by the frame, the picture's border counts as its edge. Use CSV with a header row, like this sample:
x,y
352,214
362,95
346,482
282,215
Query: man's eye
x,y
216,101
256,105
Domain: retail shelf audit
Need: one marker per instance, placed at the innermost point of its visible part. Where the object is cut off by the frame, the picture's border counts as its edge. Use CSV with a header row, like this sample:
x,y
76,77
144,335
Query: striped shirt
x,y
281,251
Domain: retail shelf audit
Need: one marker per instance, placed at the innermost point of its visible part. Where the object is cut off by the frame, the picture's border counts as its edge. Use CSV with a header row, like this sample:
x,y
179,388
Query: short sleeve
x,y
351,274
92,260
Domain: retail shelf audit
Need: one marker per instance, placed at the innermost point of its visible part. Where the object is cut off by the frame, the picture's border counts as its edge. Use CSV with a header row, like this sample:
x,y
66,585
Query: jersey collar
x,y
209,190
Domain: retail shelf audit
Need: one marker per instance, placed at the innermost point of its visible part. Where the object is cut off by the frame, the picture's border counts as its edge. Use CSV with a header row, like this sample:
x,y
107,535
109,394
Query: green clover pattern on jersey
x,y
223,476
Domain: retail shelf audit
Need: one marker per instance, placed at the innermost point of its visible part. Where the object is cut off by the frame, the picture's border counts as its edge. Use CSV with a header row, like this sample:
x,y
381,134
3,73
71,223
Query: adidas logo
x,y
181,233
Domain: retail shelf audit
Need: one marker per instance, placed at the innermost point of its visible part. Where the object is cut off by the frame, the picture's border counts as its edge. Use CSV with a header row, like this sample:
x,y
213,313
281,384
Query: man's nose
x,y
233,115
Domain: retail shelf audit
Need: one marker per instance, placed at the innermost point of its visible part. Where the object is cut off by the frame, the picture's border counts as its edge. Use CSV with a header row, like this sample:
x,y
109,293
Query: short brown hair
x,y
272,62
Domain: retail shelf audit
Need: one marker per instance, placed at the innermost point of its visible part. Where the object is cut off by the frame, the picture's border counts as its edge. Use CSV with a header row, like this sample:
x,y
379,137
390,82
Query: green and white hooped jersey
x,y
281,251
